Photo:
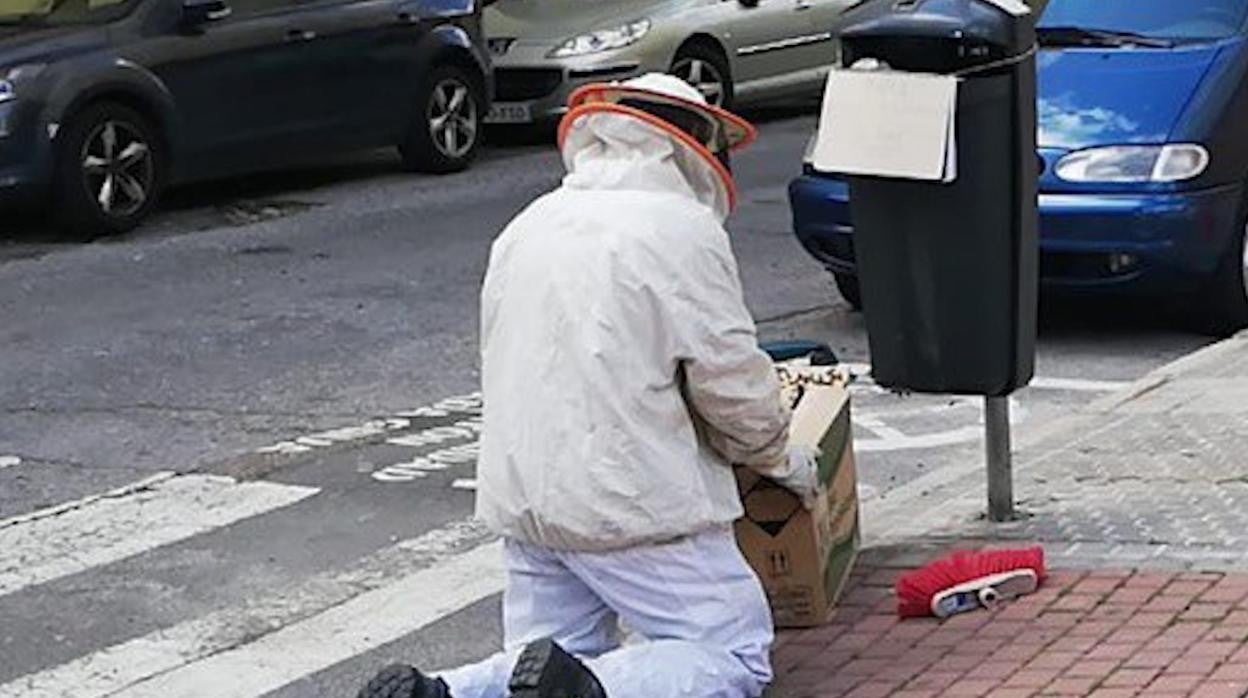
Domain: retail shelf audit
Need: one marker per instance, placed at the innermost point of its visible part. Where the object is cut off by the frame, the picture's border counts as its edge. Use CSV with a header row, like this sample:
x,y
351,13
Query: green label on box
x,y
833,446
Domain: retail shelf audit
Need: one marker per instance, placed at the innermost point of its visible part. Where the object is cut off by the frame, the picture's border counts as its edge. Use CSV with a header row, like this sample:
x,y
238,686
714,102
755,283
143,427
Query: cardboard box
x,y
804,557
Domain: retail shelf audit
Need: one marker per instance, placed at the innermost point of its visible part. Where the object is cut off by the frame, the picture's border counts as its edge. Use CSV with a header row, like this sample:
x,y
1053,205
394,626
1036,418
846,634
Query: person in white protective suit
x,y
622,379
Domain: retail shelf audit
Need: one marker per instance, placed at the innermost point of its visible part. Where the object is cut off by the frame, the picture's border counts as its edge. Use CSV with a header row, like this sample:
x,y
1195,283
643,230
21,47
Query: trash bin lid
x,y
977,21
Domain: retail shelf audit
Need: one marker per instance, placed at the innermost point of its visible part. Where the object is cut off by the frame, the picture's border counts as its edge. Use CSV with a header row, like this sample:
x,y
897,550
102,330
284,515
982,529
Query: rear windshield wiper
x,y
1078,36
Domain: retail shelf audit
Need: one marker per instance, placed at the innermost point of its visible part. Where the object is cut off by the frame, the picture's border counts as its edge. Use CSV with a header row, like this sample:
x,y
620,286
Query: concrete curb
x,y
935,500
1211,354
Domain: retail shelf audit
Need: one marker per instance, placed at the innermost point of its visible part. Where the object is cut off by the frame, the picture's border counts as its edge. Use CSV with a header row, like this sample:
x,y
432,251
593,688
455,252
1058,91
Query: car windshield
x,y
60,12
1174,20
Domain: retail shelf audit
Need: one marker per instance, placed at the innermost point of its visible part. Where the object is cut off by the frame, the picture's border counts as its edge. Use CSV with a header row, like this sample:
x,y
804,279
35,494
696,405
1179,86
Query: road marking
x,y
1078,384
308,442
893,439
466,429
85,501
862,374
9,461
462,404
420,466
116,668
346,630
469,484
949,437
878,427
889,438
46,545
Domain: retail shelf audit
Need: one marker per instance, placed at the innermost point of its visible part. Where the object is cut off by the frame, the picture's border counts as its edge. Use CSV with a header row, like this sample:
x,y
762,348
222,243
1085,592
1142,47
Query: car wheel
x,y
110,171
706,69
446,131
1227,296
850,290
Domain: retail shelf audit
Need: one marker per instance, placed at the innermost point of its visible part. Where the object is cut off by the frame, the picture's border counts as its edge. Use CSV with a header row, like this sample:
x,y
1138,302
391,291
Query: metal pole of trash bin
x,y
1000,467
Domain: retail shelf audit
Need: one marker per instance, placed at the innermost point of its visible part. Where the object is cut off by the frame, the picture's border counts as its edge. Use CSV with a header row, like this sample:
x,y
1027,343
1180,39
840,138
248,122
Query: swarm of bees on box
x,y
796,376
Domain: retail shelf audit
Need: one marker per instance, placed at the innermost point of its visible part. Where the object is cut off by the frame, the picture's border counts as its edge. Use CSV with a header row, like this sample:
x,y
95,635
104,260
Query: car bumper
x,y
540,94
529,87
1132,242
25,157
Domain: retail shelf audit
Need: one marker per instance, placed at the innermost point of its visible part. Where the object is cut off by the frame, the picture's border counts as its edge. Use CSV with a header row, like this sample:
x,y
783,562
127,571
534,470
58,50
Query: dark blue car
x,y
1143,140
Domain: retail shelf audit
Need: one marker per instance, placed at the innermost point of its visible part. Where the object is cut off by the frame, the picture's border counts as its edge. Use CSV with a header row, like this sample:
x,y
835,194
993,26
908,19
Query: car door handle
x,y
803,5
406,18
300,35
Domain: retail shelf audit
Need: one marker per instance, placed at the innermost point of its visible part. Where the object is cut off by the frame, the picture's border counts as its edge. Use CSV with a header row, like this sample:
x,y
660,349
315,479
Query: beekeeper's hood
x,y
652,133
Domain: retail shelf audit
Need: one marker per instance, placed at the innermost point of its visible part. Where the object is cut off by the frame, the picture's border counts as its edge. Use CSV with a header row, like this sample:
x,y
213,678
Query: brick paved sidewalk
x,y
1153,481
1100,633
1153,477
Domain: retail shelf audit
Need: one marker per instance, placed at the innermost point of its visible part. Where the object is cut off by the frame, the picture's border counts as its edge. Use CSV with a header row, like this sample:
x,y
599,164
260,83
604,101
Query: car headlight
x,y
602,40
1174,162
10,78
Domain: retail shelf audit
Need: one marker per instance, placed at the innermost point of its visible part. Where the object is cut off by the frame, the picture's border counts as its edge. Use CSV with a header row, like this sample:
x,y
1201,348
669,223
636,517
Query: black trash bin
x,y
949,271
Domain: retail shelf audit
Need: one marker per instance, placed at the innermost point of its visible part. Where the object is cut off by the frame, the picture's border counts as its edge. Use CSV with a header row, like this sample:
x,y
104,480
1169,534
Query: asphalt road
x,y
262,350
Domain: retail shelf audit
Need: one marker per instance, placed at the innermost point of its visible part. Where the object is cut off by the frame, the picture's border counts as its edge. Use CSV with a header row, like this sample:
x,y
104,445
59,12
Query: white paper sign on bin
x,y
882,123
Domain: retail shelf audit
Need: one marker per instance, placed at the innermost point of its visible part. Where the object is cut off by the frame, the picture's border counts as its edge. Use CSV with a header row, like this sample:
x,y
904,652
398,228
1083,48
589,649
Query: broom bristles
x,y
916,589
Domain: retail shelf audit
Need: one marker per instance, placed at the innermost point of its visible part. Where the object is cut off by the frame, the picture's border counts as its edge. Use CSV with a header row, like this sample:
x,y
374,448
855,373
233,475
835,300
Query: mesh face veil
x,y
697,125
704,133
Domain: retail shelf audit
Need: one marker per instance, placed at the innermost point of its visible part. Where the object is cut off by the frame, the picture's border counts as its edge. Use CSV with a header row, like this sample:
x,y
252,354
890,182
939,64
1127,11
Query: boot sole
x,y
544,670
392,682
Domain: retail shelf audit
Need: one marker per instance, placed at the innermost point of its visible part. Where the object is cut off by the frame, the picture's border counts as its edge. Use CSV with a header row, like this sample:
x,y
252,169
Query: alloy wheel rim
x,y
117,168
704,76
453,118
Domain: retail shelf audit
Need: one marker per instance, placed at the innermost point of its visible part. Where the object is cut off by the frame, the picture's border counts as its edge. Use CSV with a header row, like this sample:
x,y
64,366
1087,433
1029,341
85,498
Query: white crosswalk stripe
x,y
366,622
39,547
325,618
253,638
263,640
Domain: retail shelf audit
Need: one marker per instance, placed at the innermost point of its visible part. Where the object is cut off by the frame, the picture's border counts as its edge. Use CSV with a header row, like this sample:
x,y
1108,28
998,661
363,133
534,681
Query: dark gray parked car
x,y
105,102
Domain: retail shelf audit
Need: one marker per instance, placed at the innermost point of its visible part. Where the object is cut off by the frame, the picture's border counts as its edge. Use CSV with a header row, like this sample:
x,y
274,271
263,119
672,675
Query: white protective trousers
x,y
701,612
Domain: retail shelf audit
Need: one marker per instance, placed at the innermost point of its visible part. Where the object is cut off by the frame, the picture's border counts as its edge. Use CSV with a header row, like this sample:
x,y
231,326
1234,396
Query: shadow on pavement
x,y
1120,316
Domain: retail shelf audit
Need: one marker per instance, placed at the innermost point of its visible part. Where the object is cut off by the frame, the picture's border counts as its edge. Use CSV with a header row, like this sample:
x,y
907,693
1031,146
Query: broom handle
x,y
1000,467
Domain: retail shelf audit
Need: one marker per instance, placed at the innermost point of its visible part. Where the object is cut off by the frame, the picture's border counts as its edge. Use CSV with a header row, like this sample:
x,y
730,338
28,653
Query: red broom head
x,y
916,589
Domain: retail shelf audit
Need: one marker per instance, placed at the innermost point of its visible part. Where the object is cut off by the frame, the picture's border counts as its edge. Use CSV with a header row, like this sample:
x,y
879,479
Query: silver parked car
x,y
734,51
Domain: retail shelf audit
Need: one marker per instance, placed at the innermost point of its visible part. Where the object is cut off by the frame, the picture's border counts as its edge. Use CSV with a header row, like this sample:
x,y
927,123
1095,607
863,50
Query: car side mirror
x,y
199,12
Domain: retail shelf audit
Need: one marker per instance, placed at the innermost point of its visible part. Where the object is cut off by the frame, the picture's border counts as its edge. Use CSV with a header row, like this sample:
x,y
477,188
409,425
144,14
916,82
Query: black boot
x,y
544,670
402,681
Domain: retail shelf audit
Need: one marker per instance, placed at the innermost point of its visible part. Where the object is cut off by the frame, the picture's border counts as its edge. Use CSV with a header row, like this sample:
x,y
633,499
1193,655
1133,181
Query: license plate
x,y
510,114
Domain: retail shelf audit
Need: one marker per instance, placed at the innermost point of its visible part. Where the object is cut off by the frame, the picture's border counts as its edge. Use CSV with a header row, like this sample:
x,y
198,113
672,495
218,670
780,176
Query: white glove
x,y
802,476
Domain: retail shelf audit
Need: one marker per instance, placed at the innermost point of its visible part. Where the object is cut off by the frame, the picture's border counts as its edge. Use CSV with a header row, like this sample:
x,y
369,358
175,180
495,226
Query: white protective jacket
x,y
621,369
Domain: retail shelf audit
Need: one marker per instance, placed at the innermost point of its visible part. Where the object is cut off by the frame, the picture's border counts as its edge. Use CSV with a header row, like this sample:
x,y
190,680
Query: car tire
x,y
110,170
447,127
705,68
850,290
1227,294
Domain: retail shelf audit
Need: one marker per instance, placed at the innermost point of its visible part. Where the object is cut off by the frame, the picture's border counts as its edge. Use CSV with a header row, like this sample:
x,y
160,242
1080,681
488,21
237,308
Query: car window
x,y
1162,19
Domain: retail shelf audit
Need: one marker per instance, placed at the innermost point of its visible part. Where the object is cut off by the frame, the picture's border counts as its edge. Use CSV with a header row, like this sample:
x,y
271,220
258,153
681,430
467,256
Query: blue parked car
x,y
1143,141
